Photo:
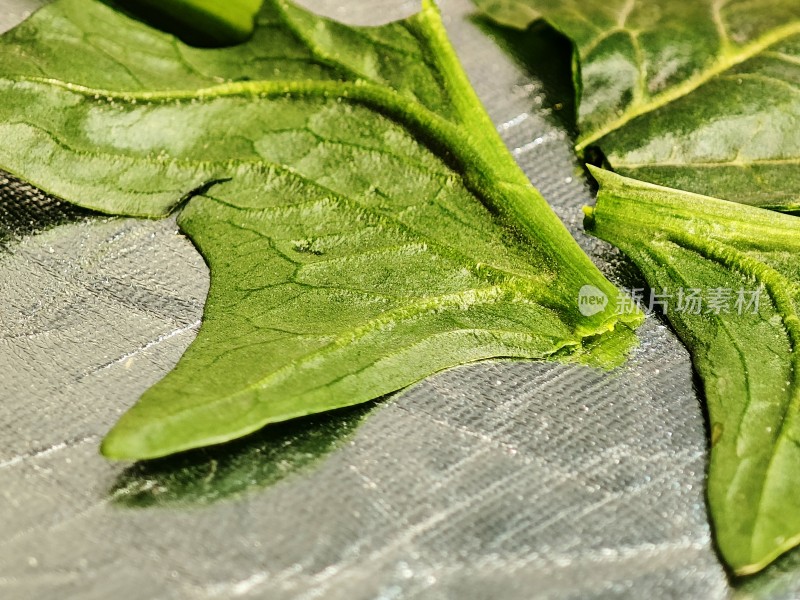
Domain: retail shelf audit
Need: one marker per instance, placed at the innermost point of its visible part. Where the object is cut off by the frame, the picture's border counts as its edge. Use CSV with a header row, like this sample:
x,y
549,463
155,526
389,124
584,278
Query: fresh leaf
x,y
702,96
363,222
202,22
745,351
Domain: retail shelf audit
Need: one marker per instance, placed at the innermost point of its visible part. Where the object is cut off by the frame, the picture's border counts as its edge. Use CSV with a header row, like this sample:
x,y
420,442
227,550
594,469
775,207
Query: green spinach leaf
x,y
702,96
740,265
363,222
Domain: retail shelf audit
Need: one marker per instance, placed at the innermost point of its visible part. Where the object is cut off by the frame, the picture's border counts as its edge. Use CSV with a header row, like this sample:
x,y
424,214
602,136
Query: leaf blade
x,y
748,362
699,96
363,222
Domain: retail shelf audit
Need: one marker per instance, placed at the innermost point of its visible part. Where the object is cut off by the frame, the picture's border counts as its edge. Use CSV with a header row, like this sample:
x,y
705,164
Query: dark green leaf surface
x,y
363,222
700,95
749,361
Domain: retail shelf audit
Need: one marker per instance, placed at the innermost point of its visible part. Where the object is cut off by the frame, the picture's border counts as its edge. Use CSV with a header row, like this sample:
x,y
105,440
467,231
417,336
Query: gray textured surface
x,y
497,480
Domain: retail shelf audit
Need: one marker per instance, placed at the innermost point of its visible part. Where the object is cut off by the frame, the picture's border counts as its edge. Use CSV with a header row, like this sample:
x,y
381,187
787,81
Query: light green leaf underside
x,y
702,96
748,362
363,222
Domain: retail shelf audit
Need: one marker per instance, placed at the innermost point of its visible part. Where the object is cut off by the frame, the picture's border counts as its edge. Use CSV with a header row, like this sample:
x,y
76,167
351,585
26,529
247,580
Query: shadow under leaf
x,y
26,210
781,579
207,475
547,55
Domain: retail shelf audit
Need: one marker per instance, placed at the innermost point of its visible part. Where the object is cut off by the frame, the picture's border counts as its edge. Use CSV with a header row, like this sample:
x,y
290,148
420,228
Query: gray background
x,y
496,480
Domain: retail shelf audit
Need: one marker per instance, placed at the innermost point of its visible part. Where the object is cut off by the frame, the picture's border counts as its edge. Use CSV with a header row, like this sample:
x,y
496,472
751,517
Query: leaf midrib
x,y
384,100
725,61
738,163
473,297
775,284
721,212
